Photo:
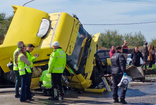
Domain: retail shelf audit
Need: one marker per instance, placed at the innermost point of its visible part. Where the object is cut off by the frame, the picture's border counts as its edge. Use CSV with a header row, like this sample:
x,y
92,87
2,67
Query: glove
x,y
124,74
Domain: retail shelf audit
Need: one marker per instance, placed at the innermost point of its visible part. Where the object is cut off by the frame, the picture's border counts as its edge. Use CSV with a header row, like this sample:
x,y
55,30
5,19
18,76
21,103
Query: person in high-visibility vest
x,y
45,82
56,66
31,58
15,69
22,62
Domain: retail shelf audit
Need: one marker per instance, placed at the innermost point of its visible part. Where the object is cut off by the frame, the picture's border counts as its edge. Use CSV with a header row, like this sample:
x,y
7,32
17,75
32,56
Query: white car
x,y
129,60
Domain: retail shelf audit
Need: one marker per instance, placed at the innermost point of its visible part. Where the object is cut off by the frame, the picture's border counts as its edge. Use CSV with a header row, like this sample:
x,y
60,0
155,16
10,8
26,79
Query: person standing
x,y
112,51
136,55
15,68
118,70
31,58
22,62
125,49
56,66
151,55
145,54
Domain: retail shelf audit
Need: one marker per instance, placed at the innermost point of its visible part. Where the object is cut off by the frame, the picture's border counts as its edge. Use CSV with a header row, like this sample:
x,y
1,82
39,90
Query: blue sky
x,y
100,12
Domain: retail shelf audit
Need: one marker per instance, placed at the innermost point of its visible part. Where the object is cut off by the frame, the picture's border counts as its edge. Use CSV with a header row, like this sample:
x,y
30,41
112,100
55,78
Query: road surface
x,y
139,93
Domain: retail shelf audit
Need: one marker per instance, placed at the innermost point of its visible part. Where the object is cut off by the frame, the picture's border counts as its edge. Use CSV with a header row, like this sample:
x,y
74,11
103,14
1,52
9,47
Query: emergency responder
x,y
15,68
31,58
22,62
56,66
45,82
118,70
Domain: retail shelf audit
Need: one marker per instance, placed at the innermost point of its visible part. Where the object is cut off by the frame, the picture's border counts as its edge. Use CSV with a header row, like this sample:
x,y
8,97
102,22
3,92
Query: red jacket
x,y
111,53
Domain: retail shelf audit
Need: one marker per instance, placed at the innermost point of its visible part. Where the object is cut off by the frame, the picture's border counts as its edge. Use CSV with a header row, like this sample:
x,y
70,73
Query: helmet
x,y
56,43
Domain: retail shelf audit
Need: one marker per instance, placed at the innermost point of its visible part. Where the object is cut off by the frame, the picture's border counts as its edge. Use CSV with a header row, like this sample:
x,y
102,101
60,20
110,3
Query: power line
x,y
123,23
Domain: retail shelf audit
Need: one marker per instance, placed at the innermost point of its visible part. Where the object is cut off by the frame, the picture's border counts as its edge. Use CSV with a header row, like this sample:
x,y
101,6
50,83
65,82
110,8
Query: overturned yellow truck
x,y
42,29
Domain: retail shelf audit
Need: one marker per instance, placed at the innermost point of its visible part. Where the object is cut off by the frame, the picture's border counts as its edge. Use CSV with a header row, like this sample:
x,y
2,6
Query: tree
x,y
153,42
113,38
135,40
110,38
4,25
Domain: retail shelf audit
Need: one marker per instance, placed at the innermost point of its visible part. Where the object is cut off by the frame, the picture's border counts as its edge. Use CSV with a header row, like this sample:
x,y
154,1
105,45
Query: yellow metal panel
x,y
63,32
34,83
95,90
90,57
108,61
73,37
24,26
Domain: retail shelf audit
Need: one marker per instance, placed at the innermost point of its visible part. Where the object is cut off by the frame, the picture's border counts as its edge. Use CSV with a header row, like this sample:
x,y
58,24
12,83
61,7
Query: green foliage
x,y
110,38
4,25
113,38
135,40
153,42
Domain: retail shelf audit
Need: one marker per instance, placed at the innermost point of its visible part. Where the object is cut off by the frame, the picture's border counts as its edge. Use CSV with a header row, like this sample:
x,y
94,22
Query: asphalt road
x,y
139,93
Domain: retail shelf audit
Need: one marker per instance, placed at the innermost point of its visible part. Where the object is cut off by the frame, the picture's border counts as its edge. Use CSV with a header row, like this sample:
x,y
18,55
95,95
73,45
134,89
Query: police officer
x,y
45,82
15,68
56,66
118,70
22,62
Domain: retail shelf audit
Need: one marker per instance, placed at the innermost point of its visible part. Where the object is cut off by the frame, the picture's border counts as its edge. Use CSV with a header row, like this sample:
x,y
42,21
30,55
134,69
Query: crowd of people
x,y
23,68
146,53
118,57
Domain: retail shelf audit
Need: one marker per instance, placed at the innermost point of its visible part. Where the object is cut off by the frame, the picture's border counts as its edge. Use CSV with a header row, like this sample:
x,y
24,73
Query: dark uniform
x,y
118,68
136,58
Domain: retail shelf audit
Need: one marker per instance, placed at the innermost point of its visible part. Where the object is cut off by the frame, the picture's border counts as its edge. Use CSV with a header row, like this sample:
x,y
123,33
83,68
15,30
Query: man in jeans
x,y
15,68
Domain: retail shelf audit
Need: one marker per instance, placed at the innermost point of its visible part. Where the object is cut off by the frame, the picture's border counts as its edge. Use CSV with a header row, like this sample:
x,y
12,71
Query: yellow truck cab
x,y
42,29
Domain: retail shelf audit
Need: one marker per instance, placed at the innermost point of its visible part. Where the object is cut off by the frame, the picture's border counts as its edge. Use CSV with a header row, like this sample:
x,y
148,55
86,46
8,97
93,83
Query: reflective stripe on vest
x,y
57,61
22,70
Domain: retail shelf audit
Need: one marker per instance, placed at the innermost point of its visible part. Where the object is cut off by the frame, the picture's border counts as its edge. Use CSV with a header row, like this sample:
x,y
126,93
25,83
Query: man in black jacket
x,y
118,70
136,55
145,53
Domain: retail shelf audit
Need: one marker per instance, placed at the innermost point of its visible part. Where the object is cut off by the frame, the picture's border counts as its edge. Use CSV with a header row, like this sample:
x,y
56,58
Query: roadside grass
x,y
153,67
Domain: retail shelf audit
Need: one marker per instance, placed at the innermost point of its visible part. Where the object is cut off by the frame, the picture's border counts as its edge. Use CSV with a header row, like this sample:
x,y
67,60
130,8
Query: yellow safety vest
x,y
57,61
15,66
22,66
31,59
46,79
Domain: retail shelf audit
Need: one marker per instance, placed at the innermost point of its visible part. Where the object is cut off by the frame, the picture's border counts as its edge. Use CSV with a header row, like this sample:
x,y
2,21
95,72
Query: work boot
x,y
116,100
123,101
17,96
62,96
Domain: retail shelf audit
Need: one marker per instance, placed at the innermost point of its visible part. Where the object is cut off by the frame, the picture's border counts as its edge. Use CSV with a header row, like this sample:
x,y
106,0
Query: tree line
x,y
106,39
113,38
4,25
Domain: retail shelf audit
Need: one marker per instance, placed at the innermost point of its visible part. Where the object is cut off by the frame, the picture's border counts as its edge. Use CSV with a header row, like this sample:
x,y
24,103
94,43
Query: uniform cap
x,y
56,43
